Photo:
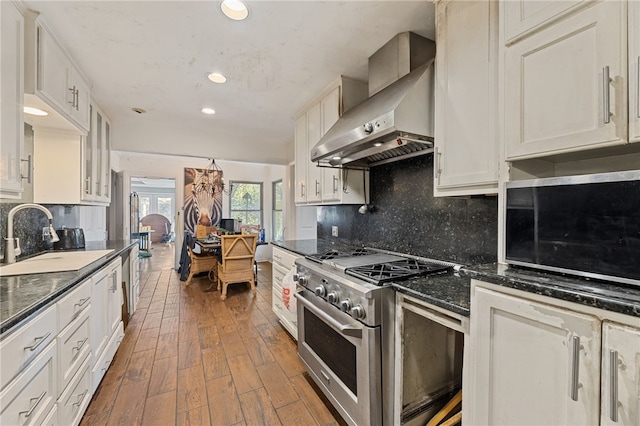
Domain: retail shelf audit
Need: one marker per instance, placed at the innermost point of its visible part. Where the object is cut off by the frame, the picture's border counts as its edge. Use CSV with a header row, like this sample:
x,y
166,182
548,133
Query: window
x,y
277,229
245,200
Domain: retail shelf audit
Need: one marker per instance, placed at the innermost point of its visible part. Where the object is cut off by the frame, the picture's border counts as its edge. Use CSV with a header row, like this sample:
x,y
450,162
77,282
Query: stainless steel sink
x,y
53,262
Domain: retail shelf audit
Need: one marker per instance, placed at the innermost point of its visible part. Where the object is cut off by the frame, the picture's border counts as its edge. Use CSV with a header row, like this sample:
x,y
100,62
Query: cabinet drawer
x,y
72,304
278,273
73,348
29,398
26,343
75,399
284,258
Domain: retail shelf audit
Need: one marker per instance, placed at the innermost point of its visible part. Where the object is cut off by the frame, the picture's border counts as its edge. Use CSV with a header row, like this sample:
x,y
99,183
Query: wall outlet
x,y
334,231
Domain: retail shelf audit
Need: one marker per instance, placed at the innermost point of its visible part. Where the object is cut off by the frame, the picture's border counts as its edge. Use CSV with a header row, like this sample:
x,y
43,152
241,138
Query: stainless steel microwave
x,y
583,225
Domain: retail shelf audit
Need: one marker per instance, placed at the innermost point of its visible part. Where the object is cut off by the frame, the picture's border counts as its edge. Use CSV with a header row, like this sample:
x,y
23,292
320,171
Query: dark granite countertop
x,y
23,295
452,291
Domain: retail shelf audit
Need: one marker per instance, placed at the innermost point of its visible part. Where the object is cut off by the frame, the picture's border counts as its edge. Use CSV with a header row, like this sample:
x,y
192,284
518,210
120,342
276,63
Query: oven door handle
x,y
353,330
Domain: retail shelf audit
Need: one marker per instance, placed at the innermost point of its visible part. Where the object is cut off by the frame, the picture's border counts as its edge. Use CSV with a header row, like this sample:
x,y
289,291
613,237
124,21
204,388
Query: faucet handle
x,y
17,250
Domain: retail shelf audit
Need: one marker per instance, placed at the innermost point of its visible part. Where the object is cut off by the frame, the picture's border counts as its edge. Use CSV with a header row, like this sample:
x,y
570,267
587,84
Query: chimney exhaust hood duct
x,y
396,121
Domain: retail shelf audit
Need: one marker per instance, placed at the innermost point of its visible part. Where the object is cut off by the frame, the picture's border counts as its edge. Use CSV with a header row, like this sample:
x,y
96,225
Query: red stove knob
x,y
357,312
345,305
320,291
332,297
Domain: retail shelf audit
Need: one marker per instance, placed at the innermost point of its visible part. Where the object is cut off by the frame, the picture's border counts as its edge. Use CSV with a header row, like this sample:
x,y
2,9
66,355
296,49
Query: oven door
x,y
343,356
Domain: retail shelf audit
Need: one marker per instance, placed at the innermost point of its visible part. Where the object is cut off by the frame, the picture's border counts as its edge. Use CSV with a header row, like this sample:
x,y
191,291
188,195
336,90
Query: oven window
x,y
337,352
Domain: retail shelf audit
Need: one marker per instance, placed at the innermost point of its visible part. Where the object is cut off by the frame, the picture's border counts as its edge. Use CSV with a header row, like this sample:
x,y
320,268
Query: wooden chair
x,y
205,262
238,252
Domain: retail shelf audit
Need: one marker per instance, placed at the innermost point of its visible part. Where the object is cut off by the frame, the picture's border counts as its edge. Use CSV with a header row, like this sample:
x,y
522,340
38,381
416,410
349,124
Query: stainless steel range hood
x,y
393,124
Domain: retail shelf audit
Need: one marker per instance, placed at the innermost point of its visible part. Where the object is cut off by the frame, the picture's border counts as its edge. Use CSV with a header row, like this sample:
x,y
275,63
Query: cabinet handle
x,y
613,385
638,88
29,412
335,184
77,100
38,341
302,189
575,368
87,185
28,161
73,96
317,190
81,302
438,162
80,344
605,95
80,397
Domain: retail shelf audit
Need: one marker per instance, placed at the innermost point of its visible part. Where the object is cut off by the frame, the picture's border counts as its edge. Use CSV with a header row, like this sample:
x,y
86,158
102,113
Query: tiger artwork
x,y
202,198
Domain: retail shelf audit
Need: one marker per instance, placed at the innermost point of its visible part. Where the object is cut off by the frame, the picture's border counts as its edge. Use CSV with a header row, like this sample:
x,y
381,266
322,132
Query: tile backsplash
x,y
407,218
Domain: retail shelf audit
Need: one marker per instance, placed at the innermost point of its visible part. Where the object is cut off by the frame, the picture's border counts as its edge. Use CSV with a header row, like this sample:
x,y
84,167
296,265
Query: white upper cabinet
x,y
634,71
11,89
466,119
96,168
525,16
565,84
323,185
52,77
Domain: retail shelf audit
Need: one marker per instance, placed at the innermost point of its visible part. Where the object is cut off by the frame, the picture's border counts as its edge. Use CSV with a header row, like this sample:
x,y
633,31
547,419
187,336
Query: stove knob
x,y
332,297
320,291
301,279
357,312
345,305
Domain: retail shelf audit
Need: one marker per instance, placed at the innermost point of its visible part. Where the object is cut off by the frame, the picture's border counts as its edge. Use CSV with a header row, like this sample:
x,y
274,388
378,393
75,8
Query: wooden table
x,y
212,246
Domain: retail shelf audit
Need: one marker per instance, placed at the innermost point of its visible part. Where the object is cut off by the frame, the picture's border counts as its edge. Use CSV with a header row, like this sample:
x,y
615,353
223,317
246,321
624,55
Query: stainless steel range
x,y
346,310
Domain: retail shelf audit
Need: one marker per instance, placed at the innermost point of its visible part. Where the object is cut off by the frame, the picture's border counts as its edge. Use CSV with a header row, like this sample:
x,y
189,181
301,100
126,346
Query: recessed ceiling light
x,y
234,9
209,111
377,144
337,157
216,77
35,111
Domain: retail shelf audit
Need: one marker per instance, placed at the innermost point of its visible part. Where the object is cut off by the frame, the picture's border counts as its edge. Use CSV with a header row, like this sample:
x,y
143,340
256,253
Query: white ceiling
x,y
155,55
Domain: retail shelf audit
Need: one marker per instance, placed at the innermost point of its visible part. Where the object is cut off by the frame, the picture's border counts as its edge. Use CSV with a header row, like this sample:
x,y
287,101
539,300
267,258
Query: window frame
x,y
274,210
261,210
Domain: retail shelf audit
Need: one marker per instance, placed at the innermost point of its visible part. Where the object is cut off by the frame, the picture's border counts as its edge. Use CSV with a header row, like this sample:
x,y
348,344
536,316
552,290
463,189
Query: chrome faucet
x,y
12,245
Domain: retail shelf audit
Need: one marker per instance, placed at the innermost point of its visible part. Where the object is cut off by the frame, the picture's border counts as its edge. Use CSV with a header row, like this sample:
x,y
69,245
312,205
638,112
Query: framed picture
x,y
202,197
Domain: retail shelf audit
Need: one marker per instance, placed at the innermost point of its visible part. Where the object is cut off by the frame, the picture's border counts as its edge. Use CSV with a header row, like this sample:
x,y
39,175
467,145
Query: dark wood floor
x,y
189,358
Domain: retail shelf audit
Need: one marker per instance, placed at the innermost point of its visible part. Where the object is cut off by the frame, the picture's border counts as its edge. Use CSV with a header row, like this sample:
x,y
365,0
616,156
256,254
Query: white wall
x,y
166,166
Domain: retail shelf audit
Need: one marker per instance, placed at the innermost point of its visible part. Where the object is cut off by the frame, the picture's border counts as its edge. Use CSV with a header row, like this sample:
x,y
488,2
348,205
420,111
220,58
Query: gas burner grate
x,y
397,270
335,254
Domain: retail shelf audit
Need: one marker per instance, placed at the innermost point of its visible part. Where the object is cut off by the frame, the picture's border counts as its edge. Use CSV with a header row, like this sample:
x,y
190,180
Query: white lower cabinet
x,y
75,399
537,360
283,261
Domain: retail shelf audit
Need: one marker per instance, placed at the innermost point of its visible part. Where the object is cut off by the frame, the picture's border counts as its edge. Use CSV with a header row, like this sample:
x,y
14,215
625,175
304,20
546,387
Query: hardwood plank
x,y
312,400
157,306
258,351
244,374
214,362
98,419
170,325
139,367
196,417
189,354
147,340
288,359
171,310
188,331
257,408
191,389
160,409
164,376
129,404
224,405
295,414
103,399
167,345
275,381
234,347
152,320
209,337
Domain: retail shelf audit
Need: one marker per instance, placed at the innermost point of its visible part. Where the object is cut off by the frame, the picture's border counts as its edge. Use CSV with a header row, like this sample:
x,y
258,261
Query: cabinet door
x,y
634,71
466,92
533,363
524,16
302,159
556,96
97,140
331,178
80,99
620,375
11,89
53,69
105,154
314,174
114,298
98,317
